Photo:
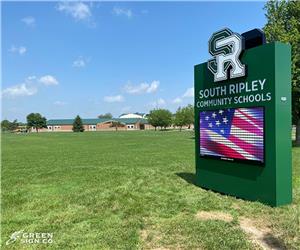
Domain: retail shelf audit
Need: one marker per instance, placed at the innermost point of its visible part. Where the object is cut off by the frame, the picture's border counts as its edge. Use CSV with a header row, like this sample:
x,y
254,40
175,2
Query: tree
x,y
6,125
37,121
160,118
14,125
117,124
188,115
106,115
184,116
77,124
283,25
153,118
179,118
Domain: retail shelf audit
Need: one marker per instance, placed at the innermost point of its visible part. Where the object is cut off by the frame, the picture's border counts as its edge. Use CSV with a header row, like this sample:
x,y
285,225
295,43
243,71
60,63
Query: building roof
x,y
94,121
131,120
133,115
70,121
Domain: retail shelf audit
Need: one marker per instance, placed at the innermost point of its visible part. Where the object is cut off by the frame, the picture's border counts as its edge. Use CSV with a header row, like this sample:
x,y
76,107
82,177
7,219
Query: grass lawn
x,y
125,190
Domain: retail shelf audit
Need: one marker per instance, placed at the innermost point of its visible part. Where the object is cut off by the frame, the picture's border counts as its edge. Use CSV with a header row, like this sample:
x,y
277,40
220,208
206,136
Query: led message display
x,y
233,134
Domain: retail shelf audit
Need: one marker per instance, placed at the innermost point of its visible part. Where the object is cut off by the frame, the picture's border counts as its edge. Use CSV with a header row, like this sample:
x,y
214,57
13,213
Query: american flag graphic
x,y
235,133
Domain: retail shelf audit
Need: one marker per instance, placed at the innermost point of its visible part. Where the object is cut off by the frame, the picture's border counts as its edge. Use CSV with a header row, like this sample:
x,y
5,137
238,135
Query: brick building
x,y
98,124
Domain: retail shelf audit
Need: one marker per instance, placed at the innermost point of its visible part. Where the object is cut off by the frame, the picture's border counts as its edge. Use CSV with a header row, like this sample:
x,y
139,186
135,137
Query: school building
x,y
99,124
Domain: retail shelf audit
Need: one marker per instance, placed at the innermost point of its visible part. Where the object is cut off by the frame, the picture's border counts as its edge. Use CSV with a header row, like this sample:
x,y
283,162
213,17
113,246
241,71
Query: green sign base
x,y
271,182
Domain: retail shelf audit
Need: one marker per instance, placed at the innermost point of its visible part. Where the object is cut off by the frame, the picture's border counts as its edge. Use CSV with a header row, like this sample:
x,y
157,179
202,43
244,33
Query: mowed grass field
x,y
126,190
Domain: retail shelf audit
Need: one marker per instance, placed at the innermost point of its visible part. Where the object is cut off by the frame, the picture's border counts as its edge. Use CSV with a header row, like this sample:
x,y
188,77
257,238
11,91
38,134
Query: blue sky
x,y
63,59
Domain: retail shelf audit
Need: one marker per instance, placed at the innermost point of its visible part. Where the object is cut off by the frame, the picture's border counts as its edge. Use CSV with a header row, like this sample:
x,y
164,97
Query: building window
x,y
92,127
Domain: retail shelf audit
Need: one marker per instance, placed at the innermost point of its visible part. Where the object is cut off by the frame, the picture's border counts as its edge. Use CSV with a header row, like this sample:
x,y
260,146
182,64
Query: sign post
x,y
243,118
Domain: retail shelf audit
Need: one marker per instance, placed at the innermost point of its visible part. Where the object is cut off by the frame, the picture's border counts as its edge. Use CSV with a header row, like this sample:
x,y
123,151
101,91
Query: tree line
x,y
163,118
158,118
34,120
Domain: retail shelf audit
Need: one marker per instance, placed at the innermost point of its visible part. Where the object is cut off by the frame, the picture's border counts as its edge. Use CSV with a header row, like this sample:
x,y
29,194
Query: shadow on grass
x,y
272,242
191,179
188,177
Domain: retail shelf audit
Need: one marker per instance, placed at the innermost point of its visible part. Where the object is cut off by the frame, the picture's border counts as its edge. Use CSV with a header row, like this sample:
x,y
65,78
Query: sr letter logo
x,y
226,48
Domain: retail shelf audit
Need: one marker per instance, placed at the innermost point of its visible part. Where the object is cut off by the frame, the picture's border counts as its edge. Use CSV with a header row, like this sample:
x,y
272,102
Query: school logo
x,y
226,47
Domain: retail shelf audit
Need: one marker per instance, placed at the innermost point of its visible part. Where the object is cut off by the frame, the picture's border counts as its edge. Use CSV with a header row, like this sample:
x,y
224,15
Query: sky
x,y
88,58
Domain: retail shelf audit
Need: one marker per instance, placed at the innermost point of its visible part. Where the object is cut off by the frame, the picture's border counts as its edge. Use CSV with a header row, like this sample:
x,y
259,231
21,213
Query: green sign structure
x,y
243,118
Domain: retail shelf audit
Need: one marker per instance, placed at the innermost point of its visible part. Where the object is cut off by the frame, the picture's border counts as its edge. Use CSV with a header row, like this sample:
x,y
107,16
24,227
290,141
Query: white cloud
x,y
21,50
189,93
78,10
161,101
59,103
29,21
153,87
29,86
158,103
142,88
177,100
48,80
22,89
116,98
122,12
80,62
30,78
